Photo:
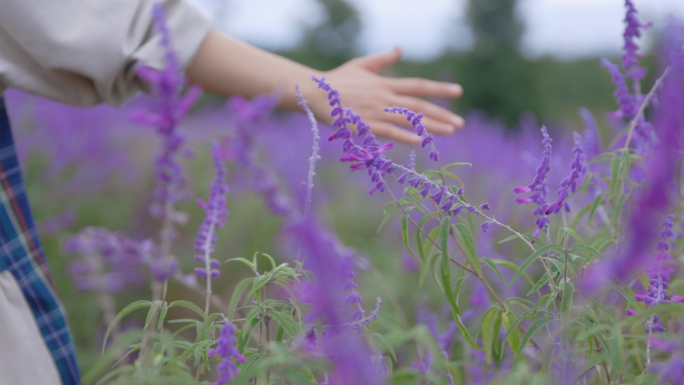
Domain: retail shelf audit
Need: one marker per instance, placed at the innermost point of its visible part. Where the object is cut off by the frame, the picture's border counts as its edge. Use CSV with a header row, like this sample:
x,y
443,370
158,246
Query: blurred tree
x,y
495,25
332,42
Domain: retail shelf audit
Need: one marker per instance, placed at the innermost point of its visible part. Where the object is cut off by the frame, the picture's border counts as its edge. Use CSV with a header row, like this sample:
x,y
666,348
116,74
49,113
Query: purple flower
x,y
659,278
418,126
628,106
538,187
350,355
227,352
631,56
367,156
215,217
110,262
570,182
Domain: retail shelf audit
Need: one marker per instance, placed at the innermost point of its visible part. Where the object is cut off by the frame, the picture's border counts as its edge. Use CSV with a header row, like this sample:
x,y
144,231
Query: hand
x,y
369,94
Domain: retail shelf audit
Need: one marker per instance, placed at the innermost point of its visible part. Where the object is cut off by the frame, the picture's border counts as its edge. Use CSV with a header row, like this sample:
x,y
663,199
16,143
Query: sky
x,y
565,29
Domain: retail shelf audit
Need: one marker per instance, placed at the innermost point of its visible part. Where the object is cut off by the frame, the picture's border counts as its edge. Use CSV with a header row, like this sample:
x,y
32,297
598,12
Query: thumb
x,y
378,61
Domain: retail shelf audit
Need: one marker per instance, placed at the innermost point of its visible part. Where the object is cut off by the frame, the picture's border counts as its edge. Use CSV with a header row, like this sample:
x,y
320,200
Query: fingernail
x,y
458,121
455,89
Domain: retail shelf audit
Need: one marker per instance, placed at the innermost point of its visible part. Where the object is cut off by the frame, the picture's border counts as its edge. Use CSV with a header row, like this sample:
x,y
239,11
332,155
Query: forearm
x,y
226,66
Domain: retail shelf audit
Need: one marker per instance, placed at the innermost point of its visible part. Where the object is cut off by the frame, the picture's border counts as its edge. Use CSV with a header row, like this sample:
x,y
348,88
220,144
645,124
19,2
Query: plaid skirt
x,y
26,288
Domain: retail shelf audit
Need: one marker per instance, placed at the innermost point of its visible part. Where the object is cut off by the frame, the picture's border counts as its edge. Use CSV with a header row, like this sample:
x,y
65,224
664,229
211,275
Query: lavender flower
x,y
348,352
168,110
570,182
538,187
630,57
215,217
417,124
227,352
628,106
315,148
369,156
110,262
659,279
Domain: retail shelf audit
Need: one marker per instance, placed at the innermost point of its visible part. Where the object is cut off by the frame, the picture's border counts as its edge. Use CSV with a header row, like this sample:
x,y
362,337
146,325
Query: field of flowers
x,y
235,244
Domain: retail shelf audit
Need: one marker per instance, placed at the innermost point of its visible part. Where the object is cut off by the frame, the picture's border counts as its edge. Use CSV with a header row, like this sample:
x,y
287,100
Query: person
x,y
85,52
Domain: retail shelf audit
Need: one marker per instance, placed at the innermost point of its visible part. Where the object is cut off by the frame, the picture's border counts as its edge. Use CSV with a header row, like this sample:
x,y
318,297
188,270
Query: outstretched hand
x,y
368,93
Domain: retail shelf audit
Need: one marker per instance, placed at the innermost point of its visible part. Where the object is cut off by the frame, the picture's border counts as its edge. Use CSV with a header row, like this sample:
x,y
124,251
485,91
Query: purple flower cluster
x,y
169,108
631,56
538,187
349,353
246,115
672,371
417,124
227,351
369,156
110,261
569,182
659,279
629,102
216,213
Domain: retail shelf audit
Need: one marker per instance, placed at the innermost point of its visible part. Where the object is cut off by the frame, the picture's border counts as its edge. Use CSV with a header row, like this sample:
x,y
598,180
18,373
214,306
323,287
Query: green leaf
x,y
593,207
445,270
493,266
488,332
208,322
566,301
237,293
151,313
588,249
258,284
190,306
387,344
290,326
404,233
389,213
243,260
512,332
162,315
463,233
534,328
126,311
615,175
542,250
456,164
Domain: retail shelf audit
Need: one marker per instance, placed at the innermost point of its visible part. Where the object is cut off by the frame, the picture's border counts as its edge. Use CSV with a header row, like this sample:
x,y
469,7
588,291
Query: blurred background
x,y
522,63
511,56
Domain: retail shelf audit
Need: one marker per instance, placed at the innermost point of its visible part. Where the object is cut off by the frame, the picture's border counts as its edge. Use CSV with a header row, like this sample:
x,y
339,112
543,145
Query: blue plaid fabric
x,y
22,255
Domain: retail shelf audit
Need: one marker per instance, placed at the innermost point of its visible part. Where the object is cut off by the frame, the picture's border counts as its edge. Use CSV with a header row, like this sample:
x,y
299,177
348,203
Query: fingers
x,y
433,114
379,61
424,87
394,133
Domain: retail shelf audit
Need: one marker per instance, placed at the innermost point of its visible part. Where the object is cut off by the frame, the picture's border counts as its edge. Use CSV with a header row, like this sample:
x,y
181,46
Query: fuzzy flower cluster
x,y
370,155
109,262
569,183
216,213
659,279
672,371
418,126
330,295
246,116
227,352
367,156
631,56
538,188
168,109
629,102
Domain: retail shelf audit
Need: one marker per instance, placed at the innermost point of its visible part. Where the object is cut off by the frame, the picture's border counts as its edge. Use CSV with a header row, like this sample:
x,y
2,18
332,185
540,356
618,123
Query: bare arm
x,y
226,66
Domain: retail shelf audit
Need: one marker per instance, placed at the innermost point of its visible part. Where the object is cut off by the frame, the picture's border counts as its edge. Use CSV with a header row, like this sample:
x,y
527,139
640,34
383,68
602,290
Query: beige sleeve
x,y
24,356
85,52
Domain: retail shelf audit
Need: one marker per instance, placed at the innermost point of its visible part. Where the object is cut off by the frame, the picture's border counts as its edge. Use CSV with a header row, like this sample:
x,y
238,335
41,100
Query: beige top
x,y
85,52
